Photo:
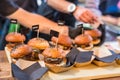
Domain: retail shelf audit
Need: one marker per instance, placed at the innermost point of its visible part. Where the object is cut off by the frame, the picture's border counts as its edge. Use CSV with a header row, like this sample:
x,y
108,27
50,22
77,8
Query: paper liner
x,y
101,64
80,58
104,56
107,59
18,73
57,68
33,72
85,63
71,56
84,58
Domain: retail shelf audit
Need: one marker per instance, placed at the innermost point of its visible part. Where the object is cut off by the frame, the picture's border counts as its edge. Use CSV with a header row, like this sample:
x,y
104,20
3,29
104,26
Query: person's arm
x,y
12,11
29,19
80,13
60,5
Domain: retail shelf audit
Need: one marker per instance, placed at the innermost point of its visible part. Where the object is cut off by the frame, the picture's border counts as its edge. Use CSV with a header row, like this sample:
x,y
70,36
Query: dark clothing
x,y
110,7
29,5
7,7
10,6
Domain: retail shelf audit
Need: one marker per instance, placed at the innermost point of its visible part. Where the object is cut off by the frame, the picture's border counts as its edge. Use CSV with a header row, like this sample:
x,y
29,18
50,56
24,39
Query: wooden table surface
x,y
3,59
4,62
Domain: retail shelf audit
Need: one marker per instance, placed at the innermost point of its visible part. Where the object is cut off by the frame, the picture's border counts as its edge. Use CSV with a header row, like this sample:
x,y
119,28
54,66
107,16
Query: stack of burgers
x,y
16,45
18,49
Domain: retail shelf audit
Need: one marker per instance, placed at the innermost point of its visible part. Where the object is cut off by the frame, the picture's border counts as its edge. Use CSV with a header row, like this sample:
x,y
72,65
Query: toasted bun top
x,y
20,51
83,39
93,32
15,37
52,53
63,40
38,43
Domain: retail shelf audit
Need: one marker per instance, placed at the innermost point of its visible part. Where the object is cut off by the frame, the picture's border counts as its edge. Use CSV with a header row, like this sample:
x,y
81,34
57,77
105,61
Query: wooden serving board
x,y
84,73
87,72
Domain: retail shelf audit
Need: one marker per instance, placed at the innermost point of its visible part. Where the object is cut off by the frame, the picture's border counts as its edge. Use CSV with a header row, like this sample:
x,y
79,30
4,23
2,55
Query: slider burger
x,y
64,41
52,56
54,60
20,51
14,38
95,34
84,41
38,45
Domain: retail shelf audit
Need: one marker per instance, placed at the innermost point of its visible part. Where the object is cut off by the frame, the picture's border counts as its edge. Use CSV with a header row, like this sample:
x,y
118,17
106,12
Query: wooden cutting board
x,y
83,73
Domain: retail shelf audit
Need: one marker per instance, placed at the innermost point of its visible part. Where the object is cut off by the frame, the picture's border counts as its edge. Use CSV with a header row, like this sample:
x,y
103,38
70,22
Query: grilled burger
x,y
84,41
64,41
20,51
53,56
13,39
95,34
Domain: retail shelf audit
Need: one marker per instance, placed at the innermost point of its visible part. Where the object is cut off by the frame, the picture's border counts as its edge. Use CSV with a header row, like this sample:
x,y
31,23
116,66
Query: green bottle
x,y
14,26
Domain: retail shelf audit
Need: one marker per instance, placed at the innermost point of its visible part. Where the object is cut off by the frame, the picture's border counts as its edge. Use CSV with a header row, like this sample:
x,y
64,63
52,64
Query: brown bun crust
x,y
20,51
52,52
38,43
15,37
96,41
93,32
83,39
63,40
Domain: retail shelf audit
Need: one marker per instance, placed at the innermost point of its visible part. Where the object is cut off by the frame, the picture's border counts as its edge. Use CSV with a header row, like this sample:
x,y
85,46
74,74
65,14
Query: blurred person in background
x,y
107,10
111,11
93,5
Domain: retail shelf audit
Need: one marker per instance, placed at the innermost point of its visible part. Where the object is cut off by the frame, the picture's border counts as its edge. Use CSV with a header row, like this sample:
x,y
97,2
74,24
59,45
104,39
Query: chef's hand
x,y
84,15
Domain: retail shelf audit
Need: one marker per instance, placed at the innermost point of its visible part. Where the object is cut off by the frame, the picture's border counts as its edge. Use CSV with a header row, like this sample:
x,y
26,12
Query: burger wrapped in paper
x,y
38,45
77,64
102,52
54,60
95,34
64,41
13,39
84,41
